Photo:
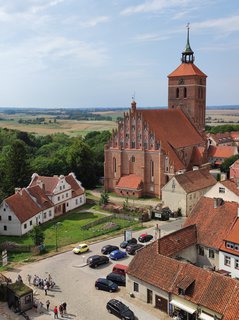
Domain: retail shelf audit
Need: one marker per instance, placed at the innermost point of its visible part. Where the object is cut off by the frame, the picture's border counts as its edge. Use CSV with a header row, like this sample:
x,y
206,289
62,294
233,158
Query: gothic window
x,y
185,92
152,169
114,165
133,158
133,144
177,93
145,145
166,164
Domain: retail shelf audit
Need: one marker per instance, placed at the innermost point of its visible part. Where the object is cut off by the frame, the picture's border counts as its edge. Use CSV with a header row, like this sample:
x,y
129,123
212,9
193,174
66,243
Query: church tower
x,y
187,88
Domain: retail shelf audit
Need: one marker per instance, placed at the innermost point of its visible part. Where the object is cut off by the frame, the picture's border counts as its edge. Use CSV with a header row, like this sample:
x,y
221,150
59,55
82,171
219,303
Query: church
x,y
150,146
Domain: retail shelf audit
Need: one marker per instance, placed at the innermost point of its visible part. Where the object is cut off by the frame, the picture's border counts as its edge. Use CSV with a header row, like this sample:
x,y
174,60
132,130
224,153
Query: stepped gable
x,y
42,200
49,183
77,190
187,69
174,242
173,129
23,206
131,181
212,223
192,181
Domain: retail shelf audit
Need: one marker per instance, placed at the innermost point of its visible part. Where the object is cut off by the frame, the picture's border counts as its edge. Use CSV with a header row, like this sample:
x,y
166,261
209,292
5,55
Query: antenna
x,y
133,96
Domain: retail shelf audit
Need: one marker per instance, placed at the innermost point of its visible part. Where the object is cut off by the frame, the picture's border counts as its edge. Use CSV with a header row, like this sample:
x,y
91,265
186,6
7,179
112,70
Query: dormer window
x,y
181,291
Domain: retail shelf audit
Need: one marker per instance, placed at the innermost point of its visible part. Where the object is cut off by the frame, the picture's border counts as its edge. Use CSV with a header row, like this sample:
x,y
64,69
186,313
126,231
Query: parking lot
x,y
75,281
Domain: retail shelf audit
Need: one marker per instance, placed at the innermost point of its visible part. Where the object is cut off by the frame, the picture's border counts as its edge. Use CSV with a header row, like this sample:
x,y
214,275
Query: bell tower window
x,y
185,92
177,93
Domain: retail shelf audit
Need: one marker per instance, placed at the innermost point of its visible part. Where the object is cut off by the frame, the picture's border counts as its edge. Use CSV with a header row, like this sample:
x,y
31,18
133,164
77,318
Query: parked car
x,y
117,254
133,248
124,244
145,237
120,310
119,279
106,285
96,260
82,247
108,249
161,213
120,269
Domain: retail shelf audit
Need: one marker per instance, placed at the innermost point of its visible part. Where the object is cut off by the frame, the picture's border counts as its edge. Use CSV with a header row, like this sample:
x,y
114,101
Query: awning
x,y
204,316
184,305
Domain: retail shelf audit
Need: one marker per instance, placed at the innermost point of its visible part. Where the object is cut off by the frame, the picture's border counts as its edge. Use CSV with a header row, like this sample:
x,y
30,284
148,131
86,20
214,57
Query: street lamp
x,y
58,224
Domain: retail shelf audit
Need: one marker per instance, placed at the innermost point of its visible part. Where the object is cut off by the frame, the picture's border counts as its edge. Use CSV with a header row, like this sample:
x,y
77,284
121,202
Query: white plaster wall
x,y
61,197
234,272
207,261
13,226
227,196
47,214
189,253
174,198
76,202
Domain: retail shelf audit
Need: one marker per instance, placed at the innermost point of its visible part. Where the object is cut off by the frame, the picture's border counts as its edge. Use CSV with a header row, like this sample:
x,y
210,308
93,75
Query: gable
x,y
173,186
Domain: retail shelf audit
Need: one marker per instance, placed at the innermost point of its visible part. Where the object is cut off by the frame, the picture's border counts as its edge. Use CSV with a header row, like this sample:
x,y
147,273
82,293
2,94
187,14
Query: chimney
x,y
217,202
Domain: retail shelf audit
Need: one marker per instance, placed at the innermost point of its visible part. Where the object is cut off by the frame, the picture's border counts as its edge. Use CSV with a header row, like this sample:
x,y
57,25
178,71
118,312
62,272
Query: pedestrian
x,y
61,310
49,277
47,305
45,288
64,307
55,312
29,278
19,278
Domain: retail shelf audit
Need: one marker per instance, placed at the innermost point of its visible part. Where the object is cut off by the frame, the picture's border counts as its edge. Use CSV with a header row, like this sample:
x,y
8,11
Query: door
x,y
149,296
161,303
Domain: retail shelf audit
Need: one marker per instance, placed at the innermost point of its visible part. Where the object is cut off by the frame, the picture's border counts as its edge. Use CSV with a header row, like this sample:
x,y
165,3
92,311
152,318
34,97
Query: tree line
x,y
22,154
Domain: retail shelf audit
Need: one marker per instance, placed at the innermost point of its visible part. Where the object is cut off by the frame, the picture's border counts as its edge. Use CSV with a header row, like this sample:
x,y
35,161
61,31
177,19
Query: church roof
x,y
187,69
174,130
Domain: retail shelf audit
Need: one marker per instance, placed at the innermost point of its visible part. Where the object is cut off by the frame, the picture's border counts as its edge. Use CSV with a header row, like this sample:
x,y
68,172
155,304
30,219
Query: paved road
x,y
75,284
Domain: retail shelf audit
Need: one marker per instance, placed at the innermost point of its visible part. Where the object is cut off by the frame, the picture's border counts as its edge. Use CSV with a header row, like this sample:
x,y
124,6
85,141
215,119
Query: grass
x,y
68,231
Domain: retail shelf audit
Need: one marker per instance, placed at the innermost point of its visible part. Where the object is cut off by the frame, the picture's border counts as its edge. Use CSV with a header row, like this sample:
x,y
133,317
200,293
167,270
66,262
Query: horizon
x,y
85,53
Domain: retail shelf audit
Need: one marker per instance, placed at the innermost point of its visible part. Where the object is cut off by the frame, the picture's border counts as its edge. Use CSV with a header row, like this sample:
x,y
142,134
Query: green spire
x,y
187,54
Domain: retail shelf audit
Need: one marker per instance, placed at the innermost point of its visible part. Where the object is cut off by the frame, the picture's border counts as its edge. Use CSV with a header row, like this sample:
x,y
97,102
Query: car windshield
x,y
78,247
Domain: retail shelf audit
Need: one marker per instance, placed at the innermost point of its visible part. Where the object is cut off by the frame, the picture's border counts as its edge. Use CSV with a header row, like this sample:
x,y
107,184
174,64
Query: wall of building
x,y
189,253
174,196
206,260
193,198
220,191
13,226
232,269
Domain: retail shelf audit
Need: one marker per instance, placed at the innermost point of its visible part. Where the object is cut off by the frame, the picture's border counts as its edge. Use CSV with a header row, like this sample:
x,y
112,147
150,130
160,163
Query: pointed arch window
x,y
152,169
114,165
177,93
185,92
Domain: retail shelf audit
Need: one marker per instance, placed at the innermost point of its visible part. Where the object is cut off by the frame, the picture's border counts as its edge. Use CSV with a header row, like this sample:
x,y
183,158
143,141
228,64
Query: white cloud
x,y
227,24
150,37
94,21
155,6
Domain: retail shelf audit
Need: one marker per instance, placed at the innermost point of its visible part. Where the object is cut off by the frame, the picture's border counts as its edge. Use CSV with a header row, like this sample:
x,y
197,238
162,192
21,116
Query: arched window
x,y
133,158
152,169
114,165
185,92
177,93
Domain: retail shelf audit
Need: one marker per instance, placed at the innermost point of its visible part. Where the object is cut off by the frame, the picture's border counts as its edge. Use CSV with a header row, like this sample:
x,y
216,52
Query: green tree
x,y
37,235
104,198
225,166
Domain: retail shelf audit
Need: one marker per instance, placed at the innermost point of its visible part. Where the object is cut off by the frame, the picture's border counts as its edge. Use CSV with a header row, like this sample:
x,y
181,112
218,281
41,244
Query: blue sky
x,y
91,53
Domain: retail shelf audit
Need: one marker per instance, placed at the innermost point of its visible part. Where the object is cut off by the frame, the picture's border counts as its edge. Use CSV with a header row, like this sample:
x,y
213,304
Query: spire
x,y
187,54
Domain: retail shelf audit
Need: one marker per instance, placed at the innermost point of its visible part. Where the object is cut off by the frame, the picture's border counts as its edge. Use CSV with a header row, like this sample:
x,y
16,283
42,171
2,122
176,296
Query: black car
x,y
145,237
132,248
108,249
106,285
95,261
124,244
116,278
120,310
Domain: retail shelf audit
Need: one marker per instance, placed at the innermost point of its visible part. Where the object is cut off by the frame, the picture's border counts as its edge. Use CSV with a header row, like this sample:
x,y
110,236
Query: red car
x,y
145,237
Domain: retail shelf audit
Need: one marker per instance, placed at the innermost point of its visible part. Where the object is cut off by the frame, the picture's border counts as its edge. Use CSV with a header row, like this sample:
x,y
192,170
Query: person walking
x,y
61,310
45,288
64,307
47,305
55,312
29,278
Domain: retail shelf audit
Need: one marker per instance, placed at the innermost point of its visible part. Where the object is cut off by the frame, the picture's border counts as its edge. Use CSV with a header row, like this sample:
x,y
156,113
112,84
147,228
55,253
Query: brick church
x,y
151,145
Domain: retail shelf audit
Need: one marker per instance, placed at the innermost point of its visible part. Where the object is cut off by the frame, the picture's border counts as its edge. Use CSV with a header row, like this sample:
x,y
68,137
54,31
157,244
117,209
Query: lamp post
x,y
56,229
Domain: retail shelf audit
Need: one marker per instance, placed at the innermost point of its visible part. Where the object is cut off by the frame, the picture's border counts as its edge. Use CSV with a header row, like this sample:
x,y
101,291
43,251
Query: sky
x,y
100,53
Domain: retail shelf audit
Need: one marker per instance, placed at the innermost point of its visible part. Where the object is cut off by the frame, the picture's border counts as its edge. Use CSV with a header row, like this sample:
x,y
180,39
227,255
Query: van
x,y
120,269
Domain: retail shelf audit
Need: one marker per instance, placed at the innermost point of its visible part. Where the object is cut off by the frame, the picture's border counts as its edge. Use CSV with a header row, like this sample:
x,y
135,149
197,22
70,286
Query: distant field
x,y
82,127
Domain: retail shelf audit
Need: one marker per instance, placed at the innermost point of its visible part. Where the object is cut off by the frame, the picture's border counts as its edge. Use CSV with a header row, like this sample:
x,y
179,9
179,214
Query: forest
x,y
22,154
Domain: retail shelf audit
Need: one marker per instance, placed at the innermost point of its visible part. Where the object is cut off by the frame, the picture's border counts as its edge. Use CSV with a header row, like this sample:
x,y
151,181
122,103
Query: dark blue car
x,y
106,285
117,254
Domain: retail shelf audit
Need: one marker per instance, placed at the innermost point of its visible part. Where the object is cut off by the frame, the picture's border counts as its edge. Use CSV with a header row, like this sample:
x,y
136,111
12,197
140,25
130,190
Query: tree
x,y
37,235
104,198
225,166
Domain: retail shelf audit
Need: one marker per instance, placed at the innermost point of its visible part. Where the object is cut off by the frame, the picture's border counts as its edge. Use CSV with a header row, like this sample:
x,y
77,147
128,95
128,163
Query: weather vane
x,y
188,24
133,96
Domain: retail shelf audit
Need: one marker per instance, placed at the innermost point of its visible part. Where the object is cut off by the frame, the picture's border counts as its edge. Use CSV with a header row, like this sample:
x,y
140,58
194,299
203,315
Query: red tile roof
x,y
173,129
130,181
41,198
198,156
173,243
231,185
212,223
204,288
187,69
222,151
195,180
49,183
23,205
77,189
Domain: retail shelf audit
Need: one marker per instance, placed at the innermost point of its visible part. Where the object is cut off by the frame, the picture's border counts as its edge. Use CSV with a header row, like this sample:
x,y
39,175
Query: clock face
x,y
180,81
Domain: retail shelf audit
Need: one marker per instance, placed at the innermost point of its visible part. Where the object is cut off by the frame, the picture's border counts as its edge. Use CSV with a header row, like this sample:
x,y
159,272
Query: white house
x,y
184,190
227,190
42,200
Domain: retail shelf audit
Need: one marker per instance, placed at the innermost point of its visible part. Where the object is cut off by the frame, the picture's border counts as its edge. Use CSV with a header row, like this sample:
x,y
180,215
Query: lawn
x,y
68,232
